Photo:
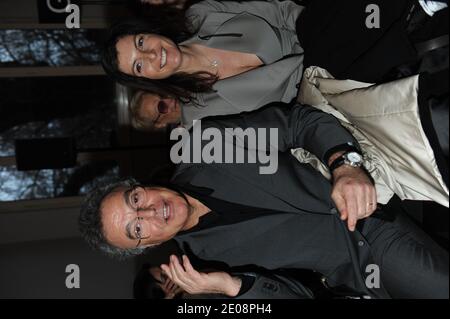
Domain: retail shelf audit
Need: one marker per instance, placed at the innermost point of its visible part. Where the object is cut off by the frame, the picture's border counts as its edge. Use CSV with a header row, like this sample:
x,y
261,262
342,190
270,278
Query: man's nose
x,y
147,212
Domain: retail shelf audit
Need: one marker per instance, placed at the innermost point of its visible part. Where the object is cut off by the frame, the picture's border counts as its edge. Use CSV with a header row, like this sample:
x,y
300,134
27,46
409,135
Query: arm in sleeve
x,y
279,14
302,126
259,286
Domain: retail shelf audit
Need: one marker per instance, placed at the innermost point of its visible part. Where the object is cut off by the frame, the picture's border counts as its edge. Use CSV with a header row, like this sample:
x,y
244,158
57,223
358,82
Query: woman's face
x,y
148,55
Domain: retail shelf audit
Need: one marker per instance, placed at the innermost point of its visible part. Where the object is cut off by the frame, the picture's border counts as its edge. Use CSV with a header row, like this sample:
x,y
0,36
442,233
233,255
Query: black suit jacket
x,y
305,231
275,287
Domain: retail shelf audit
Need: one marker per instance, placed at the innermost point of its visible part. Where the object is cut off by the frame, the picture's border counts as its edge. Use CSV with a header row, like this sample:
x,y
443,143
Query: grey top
x,y
264,28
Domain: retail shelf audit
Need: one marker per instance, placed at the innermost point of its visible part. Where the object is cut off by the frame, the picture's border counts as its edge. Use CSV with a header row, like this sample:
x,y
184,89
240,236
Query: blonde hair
x,y
138,121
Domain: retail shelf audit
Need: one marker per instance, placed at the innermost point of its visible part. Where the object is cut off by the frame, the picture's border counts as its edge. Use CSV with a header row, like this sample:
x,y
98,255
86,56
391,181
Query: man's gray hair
x,y
90,220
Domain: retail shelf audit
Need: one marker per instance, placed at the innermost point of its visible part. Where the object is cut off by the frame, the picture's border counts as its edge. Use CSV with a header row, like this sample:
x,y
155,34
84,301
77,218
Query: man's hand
x,y
170,289
194,282
354,194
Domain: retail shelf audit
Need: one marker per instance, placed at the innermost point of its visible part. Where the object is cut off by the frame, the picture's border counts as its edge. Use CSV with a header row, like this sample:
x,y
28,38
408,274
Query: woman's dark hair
x,y
145,286
167,22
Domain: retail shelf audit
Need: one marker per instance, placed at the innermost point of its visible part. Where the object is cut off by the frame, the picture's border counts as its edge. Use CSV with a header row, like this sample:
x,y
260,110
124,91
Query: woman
x,y
234,57
227,56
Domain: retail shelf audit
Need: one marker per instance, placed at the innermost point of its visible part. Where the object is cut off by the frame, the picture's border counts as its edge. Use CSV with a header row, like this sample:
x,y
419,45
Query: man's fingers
x,y
175,278
172,286
339,201
177,268
361,200
371,198
166,270
178,277
170,272
185,277
188,266
168,285
351,223
351,200
375,199
354,186
370,205
352,205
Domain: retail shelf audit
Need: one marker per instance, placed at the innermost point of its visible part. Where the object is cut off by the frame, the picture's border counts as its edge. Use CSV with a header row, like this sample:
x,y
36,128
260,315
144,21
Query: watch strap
x,y
341,160
347,148
338,162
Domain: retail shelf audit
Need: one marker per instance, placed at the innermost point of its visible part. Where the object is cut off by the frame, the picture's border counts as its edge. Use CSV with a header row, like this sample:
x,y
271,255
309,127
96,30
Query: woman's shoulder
x,y
197,13
203,6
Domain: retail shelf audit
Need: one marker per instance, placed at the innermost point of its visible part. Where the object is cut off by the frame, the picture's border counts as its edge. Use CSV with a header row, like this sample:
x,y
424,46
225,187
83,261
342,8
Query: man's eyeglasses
x,y
135,196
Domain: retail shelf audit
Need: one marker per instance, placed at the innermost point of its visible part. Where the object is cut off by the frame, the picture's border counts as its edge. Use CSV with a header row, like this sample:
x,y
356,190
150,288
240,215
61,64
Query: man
x,y
292,219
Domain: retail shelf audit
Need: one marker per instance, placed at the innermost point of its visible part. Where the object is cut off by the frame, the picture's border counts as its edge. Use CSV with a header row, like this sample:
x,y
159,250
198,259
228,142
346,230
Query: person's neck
x,y
197,210
194,60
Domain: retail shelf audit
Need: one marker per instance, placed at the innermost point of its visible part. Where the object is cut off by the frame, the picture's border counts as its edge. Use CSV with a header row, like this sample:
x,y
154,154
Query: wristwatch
x,y
353,159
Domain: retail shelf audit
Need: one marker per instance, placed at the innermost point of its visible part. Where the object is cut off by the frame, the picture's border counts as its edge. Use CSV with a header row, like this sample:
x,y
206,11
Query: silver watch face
x,y
354,158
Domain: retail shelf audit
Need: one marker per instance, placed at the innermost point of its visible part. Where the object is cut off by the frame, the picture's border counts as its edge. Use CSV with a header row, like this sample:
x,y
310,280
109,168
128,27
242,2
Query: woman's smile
x,y
163,57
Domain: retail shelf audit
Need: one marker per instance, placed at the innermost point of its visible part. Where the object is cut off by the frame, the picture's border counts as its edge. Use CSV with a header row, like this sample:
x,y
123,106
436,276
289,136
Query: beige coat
x,y
385,120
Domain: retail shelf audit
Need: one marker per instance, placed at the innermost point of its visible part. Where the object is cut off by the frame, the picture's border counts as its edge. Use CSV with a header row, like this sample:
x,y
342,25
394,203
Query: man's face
x,y
154,214
159,112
